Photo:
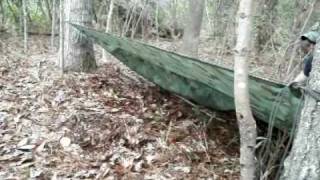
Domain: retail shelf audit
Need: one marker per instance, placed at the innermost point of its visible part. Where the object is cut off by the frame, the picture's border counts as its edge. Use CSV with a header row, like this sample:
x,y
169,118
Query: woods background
x,y
276,26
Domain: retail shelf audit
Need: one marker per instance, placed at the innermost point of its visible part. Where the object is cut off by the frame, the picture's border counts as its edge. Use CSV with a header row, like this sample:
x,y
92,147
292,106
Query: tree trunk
x,y
223,11
136,23
79,54
246,122
157,20
109,23
25,27
193,28
174,26
61,36
210,24
16,19
100,14
265,27
109,18
48,9
129,17
53,22
40,5
303,162
2,12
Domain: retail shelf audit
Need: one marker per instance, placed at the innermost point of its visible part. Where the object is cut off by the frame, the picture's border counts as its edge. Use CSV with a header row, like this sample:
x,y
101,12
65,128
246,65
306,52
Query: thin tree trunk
x,y
29,16
100,16
303,162
48,9
145,23
109,18
25,27
109,24
42,9
174,21
12,11
79,54
2,12
20,5
157,20
193,28
246,122
53,22
265,27
223,16
136,24
129,17
61,37
208,17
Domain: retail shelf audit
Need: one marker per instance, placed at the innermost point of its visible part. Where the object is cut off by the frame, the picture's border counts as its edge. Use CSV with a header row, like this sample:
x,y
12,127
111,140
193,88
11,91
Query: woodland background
x,y
113,124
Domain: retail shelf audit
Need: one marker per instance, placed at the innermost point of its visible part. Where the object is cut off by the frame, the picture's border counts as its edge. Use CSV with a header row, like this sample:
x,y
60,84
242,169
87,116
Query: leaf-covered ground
x,y
106,125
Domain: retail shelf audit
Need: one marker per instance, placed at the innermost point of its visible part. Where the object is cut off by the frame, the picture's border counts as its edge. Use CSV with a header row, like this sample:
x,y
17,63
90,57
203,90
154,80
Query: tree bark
x,y
137,21
246,122
109,18
210,24
15,17
53,22
223,11
2,11
174,18
79,54
157,20
40,5
129,17
109,23
265,27
48,9
303,162
193,28
25,27
61,36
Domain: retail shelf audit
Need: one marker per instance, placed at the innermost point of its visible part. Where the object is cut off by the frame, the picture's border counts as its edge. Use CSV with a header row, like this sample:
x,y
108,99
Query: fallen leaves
x,y
99,126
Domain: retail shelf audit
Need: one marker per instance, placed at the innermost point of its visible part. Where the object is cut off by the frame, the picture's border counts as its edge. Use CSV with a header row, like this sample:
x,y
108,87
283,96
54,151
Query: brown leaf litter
x,y
106,125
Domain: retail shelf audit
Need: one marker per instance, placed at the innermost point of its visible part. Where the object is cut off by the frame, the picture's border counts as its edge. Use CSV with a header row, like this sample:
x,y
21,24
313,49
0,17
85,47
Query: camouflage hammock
x,y
204,83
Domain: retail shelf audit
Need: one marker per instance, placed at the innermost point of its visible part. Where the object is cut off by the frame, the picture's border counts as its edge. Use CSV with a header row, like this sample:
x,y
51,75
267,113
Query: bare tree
x,y
303,161
2,12
109,24
174,18
47,4
265,25
11,9
157,19
53,22
79,54
109,18
43,11
25,27
129,18
61,36
246,122
193,28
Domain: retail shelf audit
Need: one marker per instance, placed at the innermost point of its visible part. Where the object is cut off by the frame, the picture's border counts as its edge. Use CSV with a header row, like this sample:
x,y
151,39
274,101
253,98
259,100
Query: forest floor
x,y
109,124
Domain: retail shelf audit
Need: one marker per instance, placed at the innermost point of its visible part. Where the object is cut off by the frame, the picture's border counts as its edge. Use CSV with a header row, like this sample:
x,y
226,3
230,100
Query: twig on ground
x,y
209,114
169,131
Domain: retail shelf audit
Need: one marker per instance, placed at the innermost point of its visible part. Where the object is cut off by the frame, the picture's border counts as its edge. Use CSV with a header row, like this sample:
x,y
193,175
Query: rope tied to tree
x,y
307,90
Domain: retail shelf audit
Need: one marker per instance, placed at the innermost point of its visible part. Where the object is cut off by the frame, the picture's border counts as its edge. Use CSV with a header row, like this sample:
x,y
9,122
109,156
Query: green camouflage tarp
x,y
204,83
